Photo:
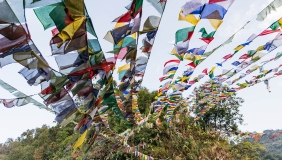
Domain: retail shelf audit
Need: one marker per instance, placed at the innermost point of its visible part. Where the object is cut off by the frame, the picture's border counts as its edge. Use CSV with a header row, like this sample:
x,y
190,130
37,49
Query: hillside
x,y
184,140
272,145
189,142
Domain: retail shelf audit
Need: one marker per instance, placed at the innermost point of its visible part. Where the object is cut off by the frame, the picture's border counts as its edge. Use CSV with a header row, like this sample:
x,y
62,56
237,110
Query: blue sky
x,y
261,109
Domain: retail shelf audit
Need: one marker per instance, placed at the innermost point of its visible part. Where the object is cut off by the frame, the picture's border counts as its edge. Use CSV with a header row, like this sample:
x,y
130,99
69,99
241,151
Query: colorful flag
x,y
266,32
211,73
191,64
244,56
172,61
184,34
227,56
278,55
236,63
205,71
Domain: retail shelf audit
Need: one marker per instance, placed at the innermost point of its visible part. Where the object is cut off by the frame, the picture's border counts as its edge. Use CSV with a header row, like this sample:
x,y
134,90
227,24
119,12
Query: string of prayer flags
x,y
254,55
266,11
83,89
255,67
212,10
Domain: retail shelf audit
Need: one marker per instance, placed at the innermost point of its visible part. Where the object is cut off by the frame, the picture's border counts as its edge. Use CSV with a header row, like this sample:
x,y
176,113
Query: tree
x,y
117,125
221,115
183,140
145,98
246,150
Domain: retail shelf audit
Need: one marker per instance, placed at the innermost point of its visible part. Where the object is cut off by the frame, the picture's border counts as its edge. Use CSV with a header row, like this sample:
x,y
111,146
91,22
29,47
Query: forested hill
x,y
272,145
185,140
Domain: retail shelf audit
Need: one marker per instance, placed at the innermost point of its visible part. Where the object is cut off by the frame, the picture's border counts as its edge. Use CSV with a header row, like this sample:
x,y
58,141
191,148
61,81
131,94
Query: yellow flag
x,y
260,48
134,35
255,67
213,68
124,67
280,22
264,72
184,78
119,25
79,142
238,48
24,58
188,57
90,50
120,43
170,72
174,51
69,31
189,18
197,57
215,23
245,84
109,82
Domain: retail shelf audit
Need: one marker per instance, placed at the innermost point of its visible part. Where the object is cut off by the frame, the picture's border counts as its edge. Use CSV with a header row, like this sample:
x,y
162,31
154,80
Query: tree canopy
x,y
224,116
184,140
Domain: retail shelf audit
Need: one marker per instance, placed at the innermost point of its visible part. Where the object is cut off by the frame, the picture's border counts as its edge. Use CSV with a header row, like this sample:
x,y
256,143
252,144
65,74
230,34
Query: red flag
x,y
92,69
55,31
215,1
222,96
227,56
68,19
190,34
162,78
47,90
265,32
191,64
124,18
205,71
147,49
107,66
170,61
244,56
192,82
207,40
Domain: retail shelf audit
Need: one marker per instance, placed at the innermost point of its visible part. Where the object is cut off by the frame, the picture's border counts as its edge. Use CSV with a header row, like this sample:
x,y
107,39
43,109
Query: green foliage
x,y
39,143
145,98
185,140
273,146
224,116
118,125
246,150
270,156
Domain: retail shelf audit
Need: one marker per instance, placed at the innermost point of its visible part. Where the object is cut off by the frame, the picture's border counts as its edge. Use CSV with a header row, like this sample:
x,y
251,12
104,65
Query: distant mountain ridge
x,y
272,145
